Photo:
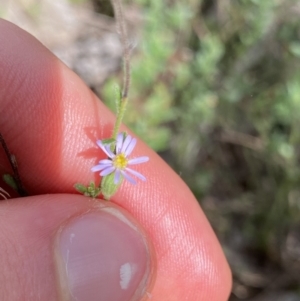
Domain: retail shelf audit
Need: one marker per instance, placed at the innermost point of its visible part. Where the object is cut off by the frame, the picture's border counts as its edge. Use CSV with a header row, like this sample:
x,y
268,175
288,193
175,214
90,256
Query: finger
x,y
63,119
66,247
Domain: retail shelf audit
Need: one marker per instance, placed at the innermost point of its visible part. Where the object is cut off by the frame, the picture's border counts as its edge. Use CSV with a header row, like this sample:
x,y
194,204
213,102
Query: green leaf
x,y
80,188
91,191
9,180
108,186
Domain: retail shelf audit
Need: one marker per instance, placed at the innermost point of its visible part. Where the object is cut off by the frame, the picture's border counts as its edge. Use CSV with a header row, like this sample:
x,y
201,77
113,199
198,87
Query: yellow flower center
x,y
120,161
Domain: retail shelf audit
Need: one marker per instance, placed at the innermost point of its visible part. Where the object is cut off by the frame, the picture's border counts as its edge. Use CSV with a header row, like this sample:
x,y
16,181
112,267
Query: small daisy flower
x,y
118,162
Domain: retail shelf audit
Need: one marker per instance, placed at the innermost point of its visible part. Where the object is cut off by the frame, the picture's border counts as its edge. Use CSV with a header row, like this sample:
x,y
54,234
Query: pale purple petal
x,y
137,174
124,147
117,176
111,154
130,147
120,138
138,160
128,178
107,171
100,167
126,143
106,150
105,161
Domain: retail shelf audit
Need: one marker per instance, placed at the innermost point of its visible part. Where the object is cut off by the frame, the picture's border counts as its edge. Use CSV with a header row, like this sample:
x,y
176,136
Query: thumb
x,y
69,247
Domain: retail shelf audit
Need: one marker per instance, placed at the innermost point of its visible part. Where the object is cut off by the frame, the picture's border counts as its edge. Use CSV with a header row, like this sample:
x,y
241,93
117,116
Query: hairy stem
x,y
119,117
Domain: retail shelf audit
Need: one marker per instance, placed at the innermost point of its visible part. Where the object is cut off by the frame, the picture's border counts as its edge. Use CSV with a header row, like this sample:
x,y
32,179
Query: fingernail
x,y
102,256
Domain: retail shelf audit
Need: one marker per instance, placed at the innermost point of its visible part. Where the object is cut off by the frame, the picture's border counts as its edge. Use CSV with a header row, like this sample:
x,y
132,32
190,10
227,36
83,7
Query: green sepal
x,y
108,186
108,141
91,191
10,181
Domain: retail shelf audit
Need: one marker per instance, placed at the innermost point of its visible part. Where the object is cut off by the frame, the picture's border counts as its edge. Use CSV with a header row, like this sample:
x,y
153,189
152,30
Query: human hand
x,y
51,121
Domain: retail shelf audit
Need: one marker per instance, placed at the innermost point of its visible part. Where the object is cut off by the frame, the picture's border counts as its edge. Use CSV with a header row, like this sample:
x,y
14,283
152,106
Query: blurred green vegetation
x,y
216,91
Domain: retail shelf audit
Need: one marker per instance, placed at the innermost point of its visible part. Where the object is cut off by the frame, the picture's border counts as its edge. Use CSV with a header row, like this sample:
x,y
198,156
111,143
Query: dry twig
x,y
119,15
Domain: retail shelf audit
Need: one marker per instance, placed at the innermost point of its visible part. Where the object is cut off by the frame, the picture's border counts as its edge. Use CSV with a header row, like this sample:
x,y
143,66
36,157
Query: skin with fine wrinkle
x,y
51,122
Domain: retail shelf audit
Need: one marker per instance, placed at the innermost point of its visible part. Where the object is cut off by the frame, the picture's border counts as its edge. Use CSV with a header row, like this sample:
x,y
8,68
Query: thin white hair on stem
x,y
132,45
4,194
121,25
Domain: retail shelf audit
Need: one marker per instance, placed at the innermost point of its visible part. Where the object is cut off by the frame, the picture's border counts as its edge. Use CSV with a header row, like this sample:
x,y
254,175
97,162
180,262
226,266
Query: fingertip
x,y
73,248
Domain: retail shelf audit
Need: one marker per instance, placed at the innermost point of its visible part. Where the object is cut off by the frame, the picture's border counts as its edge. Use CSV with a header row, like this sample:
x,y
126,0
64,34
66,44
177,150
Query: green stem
x,y
120,116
